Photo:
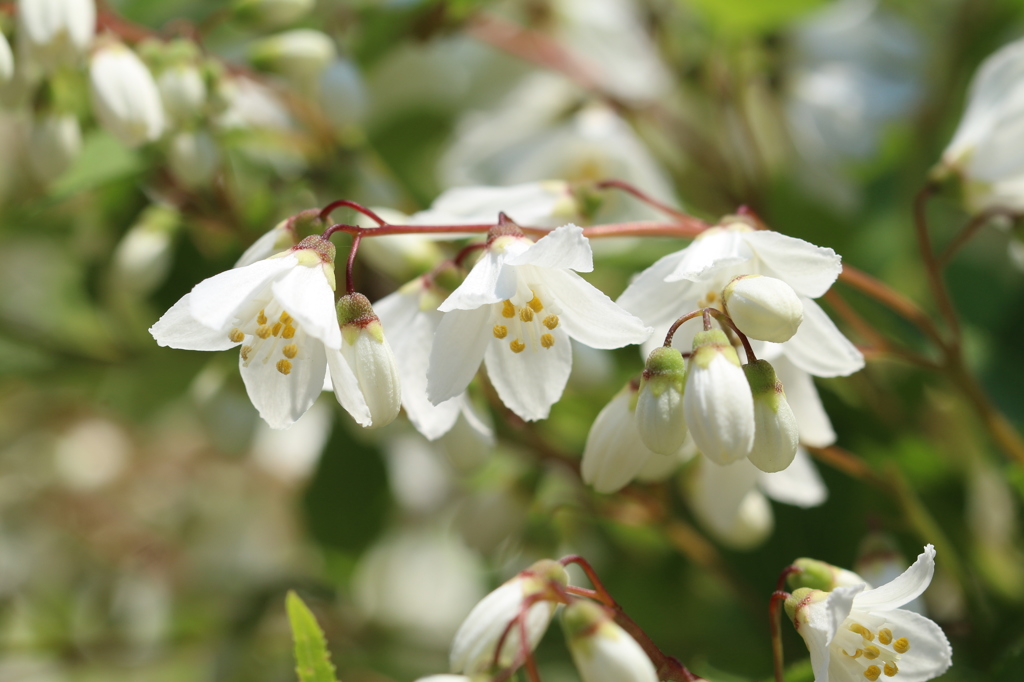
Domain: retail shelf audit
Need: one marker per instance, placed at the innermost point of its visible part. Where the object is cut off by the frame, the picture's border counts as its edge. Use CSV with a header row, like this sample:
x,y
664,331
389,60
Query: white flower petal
x,y
614,452
718,491
307,296
930,654
799,484
459,345
178,329
488,282
653,300
903,589
822,621
530,382
346,388
713,249
216,301
282,398
809,269
373,363
819,348
719,410
564,247
588,315
814,424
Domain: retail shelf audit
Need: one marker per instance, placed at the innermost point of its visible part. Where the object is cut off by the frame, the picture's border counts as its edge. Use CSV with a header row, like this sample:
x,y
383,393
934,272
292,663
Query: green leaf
x,y
751,17
312,660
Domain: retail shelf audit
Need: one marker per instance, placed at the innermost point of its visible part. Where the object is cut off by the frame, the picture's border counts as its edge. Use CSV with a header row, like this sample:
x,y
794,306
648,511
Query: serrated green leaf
x,y
312,660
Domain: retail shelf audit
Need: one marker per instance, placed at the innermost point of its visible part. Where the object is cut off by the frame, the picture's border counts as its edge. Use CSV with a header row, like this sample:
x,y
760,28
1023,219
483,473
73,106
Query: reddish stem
x,y
774,619
644,197
723,318
603,594
353,205
678,323
972,228
935,281
349,281
895,301
466,251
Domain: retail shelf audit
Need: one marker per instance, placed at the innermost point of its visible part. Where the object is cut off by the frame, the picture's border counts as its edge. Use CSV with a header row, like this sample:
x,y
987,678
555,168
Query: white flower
x,y
124,96
56,32
182,91
540,204
343,95
6,60
659,407
854,633
516,311
601,649
614,451
142,258
991,128
193,157
366,355
54,144
281,311
776,434
301,53
474,645
763,308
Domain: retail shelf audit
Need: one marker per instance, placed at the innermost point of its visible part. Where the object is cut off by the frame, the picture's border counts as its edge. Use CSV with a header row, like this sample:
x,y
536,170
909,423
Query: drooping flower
x,y
601,649
6,60
56,32
281,312
300,54
776,434
854,633
516,311
763,308
365,354
659,408
124,95
54,144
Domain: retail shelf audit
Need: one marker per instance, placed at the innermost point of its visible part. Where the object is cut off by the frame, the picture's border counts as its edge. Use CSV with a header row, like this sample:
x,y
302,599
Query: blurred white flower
x,y
54,144
125,97
301,54
6,60
54,33
343,95
91,454
193,157
292,455
182,91
142,258
547,203
250,104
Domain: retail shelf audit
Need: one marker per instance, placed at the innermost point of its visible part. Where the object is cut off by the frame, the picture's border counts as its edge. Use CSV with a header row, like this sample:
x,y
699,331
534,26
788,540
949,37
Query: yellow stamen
x,y
536,304
862,631
245,352
263,331
890,669
289,331
284,367
285,318
261,318
290,351
236,335
551,321
711,296
901,645
517,346
526,314
871,652
500,331
872,672
276,329
885,636
856,654
547,340
508,310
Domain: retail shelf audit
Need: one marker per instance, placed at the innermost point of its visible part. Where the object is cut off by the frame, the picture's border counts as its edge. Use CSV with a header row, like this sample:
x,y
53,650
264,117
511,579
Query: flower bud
x,y
183,91
271,13
601,649
369,357
763,308
717,402
142,258
54,144
6,60
343,95
124,96
474,645
56,32
818,575
281,237
193,157
300,54
659,406
614,452
775,431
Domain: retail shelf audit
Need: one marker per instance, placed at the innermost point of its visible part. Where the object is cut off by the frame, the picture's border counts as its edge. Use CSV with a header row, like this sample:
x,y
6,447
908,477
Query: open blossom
x,y
855,633
516,311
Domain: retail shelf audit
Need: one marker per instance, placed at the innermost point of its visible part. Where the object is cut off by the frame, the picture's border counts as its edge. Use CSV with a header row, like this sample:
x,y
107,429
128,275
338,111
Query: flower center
x,y
875,651
710,300
527,325
269,335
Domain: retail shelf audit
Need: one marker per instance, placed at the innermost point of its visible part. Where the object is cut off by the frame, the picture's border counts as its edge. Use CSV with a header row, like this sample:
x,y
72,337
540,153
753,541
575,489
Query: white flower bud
x,y
142,258
301,54
56,32
601,649
659,406
614,452
54,143
369,356
183,91
343,95
474,645
763,308
775,433
717,402
6,60
270,13
193,157
124,96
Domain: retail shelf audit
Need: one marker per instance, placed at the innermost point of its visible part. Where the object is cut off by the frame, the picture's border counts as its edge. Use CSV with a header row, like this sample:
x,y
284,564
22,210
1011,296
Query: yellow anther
x,y
245,352
901,645
284,367
276,329
862,631
263,331
285,317
290,351
551,321
856,654
526,314
517,346
885,636
536,304
871,652
890,670
236,335
261,318
872,672
288,332
500,331
508,310
547,340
